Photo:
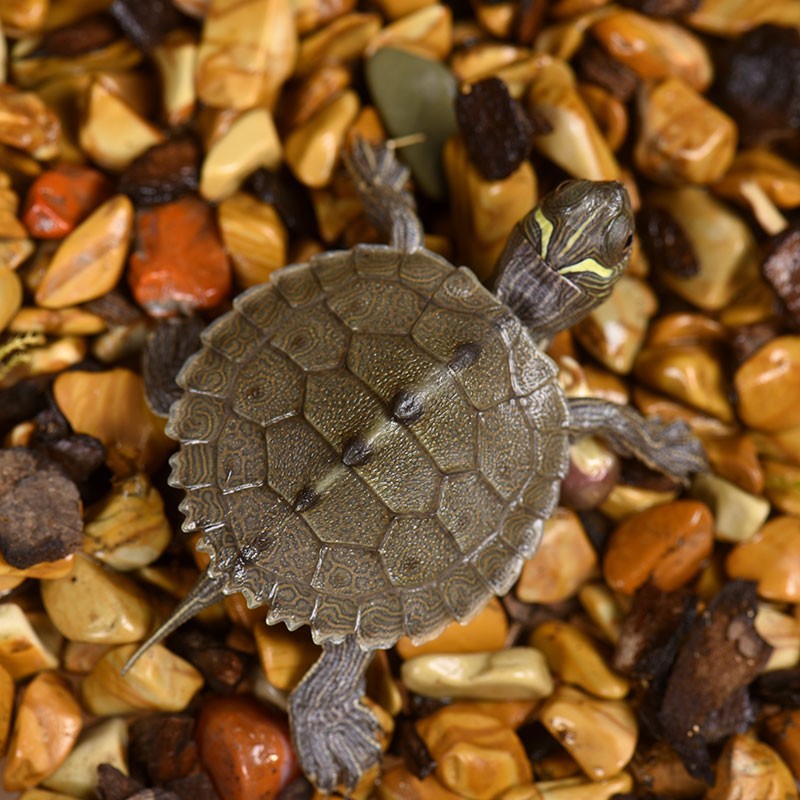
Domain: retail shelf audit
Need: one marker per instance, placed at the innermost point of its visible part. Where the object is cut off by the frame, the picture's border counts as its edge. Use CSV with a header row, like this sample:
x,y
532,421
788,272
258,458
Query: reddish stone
x,y
245,748
180,263
62,197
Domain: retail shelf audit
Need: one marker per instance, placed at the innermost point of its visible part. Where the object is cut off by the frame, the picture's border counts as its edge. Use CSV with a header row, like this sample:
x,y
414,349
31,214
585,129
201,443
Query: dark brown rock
x,y
665,244
163,749
89,33
290,198
197,786
115,785
413,750
530,19
163,173
780,687
594,65
781,268
221,666
145,22
662,8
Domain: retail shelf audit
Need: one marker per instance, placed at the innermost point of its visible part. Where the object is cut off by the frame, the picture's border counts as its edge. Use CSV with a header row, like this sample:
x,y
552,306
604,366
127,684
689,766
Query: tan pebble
x,y
394,9
564,561
486,631
28,124
733,17
382,686
335,214
104,743
511,713
285,656
10,296
57,322
654,48
603,608
128,529
112,132
89,262
682,138
735,459
93,604
43,794
652,404
750,770
737,514
81,657
397,783
250,142
609,112
303,98
660,768
255,237
782,445
428,31
519,673
767,385
691,374
599,734
313,14
772,559
44,569
783,733
722,242
774,175
575,143
175,58
782,485
6,706
23,16
312,150
486,58
614,331
247,51
14,252
47,725
343,41
782,633
158,681
580,789
484,212
622,500
22,649
133,435
575,659
476,756
522,792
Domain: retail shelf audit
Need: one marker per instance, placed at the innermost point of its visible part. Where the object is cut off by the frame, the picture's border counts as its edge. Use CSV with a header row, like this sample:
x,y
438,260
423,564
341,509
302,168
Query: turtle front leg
x,y
670,448
335,734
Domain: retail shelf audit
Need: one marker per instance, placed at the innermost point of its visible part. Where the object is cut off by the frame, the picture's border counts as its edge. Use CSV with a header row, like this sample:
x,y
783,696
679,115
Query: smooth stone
x,y
593,472
43,794
486,631
782,633
397,783
666,544
428,31
732,18
29,124
580,789
574,658
90,261
57,322
768,384
603,608
158,681
285,656
600,735
476,756
511,713
772,559
564,561
245,748
737,514
7,692
175,58
10,296
103,743
614,331
415,95
782,485
82,657
94,604
23,650
783,733
518,673
47,725
343,41
735,459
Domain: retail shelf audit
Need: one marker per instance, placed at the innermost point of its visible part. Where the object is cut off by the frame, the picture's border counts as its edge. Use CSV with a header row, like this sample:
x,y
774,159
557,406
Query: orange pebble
x,y
245,748
180,263
62,197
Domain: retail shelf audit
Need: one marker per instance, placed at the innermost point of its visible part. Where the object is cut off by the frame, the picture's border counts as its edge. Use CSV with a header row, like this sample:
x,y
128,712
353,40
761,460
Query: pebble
x,y
476,756
127,529
81,657
614,331
580,789
180,264
247,50
564,561
574,658
93,604
6,706
600,735
666,544
782,485
427,31
517,673
249,143
735,459
772,559
245,748
10,296
312,149
593,472
751,770
23,650
47,725
90,260
782,633
737,514
104,743
767,385
61,198
57,322
397,783
484,632
285,656
603,608
29,124
175,58
726,18
343,41
609,112
254,236
723,245
158,681
783,733
415,95
133,436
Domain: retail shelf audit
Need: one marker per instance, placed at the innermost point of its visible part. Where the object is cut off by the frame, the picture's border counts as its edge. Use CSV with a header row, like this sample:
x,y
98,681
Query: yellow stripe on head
x,y
545,231
589,265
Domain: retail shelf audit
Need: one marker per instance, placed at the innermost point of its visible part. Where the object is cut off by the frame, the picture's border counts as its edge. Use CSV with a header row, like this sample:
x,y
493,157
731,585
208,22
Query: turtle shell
x,y
369,445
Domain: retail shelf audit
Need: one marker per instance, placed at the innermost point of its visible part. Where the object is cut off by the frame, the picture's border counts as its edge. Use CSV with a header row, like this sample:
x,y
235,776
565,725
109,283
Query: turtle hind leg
x,y
380,180
335,734
670,448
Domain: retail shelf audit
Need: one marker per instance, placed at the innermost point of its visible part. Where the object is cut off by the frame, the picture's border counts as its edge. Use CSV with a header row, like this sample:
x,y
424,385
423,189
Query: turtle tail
x,y
203,594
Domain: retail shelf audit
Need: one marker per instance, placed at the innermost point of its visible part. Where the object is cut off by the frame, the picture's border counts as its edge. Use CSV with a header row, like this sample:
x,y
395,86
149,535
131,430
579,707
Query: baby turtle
x,y
371,442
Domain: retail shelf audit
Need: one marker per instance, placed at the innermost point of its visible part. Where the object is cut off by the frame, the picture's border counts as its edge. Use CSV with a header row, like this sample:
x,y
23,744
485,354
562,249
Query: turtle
x,y
371,442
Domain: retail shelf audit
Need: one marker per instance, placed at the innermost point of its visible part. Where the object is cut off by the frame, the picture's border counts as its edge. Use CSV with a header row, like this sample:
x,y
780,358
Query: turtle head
x,y
564,257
